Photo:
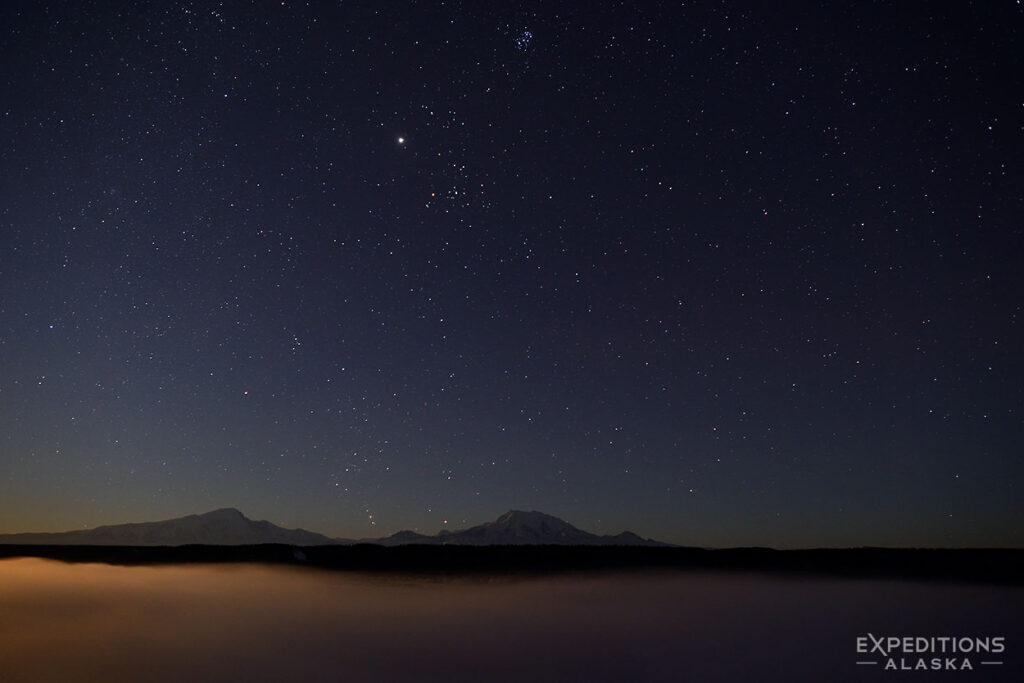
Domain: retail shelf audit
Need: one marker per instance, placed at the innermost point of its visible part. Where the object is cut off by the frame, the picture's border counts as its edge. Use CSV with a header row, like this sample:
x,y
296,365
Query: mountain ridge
x,y
229,526
224,526
519,527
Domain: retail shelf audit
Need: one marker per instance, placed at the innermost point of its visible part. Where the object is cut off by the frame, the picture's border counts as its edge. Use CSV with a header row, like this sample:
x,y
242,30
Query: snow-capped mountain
x,y
516,527
226,526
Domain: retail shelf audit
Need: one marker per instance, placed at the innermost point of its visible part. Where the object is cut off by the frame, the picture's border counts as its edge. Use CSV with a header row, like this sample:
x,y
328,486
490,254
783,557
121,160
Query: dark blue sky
x,y
720,273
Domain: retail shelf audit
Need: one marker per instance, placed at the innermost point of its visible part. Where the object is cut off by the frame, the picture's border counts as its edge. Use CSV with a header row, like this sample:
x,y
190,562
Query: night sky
x,y
721,273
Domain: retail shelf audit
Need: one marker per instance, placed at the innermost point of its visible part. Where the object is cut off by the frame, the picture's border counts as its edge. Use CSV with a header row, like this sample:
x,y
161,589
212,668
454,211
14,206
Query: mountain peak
x,y
518,527
524,516
224,513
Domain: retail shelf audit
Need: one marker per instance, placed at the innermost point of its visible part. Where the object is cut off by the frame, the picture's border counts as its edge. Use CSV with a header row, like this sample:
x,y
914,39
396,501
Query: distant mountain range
x,y
228,526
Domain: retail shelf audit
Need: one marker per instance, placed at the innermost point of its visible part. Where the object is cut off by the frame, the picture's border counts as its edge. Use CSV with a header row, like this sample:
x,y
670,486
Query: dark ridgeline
x,y
1004,566
515,543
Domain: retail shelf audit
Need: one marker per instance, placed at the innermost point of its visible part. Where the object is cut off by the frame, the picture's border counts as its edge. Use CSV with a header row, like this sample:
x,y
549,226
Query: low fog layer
x,y
100,623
